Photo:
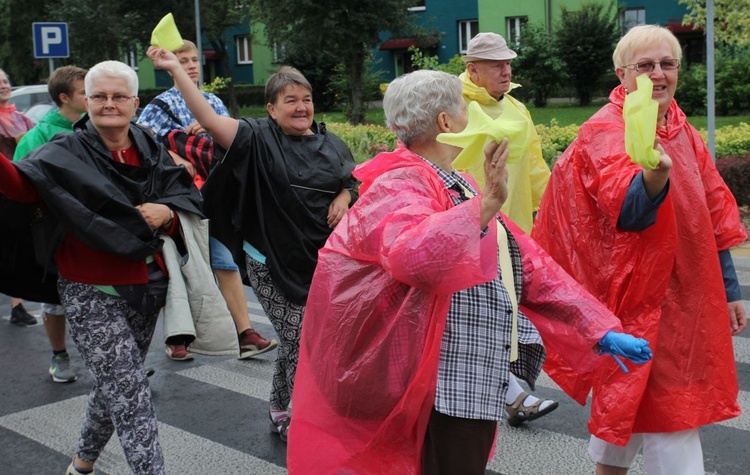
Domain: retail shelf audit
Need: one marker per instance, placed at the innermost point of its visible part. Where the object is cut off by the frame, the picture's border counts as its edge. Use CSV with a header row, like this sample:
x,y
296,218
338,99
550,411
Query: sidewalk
x,y
743,250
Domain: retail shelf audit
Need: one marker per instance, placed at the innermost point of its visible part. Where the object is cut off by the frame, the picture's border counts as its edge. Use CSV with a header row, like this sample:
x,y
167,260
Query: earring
x,y
626,89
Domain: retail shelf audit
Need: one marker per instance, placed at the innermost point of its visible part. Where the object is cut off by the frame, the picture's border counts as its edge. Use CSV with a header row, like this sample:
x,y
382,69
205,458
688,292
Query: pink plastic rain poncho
x,y
664,283
366,379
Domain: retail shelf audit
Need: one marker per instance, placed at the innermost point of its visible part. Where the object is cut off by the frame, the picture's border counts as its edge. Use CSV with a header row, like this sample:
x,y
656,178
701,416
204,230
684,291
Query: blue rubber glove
x,y
626,345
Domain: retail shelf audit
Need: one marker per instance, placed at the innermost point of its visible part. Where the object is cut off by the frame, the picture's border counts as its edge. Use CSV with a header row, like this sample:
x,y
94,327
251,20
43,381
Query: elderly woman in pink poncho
x,y
413,320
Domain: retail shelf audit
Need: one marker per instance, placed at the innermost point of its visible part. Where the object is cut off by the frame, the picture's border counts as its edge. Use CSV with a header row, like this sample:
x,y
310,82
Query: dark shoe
x,y
19,316
518,413
252,344
281,427
72,470
150,371
179,352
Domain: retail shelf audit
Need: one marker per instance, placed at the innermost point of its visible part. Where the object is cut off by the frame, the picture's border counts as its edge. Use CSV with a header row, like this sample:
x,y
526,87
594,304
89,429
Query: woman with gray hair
x,y
283,185
416,297
112,190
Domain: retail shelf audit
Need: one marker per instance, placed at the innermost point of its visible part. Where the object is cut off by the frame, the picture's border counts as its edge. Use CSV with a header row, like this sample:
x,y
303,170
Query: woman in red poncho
x,y
653,245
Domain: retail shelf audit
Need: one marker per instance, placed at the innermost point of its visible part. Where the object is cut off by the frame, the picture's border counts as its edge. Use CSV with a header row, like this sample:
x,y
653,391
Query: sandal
x,y
518,413
281,427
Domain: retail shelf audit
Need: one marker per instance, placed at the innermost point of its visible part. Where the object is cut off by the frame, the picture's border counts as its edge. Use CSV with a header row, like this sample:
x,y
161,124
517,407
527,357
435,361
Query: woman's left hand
x,y
156,215
737,317
338,207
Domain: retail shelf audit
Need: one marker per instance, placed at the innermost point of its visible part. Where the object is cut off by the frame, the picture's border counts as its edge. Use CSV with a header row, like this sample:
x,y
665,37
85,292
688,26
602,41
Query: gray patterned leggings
x,y
112,339
286,318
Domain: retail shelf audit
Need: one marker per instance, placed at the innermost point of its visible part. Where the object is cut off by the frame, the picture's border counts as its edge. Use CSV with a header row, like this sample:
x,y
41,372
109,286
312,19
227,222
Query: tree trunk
x,y
221,49
356,67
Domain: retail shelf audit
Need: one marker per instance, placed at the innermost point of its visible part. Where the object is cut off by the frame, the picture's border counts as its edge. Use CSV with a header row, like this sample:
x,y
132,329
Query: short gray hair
x,y
278,81
112,69
413,101
640,37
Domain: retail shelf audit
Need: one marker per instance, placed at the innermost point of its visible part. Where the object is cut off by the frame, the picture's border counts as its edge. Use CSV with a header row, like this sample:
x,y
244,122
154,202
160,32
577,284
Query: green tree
x,y
731,20
455,66
216,17
16,43
347,30
538,66
585,40
100,30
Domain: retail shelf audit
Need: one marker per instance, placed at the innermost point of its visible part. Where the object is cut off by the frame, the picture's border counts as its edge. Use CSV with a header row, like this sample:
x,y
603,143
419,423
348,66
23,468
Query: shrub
x,y
538,66
365,141
555,139
732,87
735,170
731,140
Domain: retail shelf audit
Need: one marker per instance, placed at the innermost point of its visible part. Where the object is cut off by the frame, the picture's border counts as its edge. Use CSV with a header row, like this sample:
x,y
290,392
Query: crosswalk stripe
x,y
251,378
57,426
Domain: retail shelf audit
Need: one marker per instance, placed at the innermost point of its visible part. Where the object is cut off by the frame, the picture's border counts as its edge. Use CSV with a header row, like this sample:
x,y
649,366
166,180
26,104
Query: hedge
x,y
732,146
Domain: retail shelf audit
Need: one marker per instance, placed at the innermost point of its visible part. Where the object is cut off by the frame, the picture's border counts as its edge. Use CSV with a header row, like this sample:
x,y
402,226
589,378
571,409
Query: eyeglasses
x,y
648,66
101,99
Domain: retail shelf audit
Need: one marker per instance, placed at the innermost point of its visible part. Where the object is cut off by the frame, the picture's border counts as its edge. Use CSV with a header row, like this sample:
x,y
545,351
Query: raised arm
x,y
221,129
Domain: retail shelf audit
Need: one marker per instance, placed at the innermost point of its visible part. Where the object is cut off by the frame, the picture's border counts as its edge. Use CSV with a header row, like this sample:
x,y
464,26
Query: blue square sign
x,y
50,40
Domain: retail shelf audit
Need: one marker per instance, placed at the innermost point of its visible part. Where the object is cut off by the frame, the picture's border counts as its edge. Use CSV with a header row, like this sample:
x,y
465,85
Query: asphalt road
x,y
213,413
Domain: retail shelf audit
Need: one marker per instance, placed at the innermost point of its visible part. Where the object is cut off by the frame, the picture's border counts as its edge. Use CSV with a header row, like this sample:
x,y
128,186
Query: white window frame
x,y
639,15
467,29
279,52
244,48
419,7
513,25
131,58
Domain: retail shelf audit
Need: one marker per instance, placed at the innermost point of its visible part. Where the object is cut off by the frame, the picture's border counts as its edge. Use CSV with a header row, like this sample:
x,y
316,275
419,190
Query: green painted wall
x,y
493,14
263,62
145,71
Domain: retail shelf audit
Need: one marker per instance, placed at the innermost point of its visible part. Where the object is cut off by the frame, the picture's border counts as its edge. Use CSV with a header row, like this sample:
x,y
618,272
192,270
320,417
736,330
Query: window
x,y
244,49
279,52
467,29
419,6
131,58
632,17
514,25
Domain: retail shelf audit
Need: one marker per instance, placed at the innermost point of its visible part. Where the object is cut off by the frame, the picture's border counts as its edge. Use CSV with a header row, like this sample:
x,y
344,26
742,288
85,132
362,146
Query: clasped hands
x,y
625,345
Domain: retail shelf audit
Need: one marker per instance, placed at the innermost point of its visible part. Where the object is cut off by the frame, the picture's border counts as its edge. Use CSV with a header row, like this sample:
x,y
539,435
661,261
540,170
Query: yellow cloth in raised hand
x,y
639,112
479,129
166,35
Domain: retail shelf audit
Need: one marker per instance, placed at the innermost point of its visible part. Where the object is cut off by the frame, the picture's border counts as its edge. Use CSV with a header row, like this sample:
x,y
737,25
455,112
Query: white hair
x,y
413,101
112,69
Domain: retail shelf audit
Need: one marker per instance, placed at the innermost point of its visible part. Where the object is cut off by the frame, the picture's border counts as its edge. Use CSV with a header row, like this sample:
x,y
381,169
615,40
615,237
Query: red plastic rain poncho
x,y
370,347
664,283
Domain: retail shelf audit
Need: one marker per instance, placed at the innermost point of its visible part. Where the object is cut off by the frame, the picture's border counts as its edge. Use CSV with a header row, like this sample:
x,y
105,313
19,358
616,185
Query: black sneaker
x,y
19,316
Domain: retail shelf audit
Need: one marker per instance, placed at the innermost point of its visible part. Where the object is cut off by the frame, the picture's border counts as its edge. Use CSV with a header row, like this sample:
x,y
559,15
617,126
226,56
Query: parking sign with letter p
x,y
50,40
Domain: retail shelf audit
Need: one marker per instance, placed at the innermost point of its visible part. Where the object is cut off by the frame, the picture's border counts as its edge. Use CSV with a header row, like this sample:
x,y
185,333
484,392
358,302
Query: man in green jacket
x,y
66,86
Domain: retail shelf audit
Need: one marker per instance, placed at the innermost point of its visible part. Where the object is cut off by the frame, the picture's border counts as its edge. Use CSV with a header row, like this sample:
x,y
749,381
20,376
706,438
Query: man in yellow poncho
x,y
487,81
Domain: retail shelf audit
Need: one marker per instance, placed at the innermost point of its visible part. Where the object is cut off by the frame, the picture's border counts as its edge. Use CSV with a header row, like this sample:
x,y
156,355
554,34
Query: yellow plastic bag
x,y
481,128
639,113
166,35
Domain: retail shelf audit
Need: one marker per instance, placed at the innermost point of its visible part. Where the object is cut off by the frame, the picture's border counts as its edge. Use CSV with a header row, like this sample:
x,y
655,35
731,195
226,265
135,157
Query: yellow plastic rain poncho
x,y
166,35
527,171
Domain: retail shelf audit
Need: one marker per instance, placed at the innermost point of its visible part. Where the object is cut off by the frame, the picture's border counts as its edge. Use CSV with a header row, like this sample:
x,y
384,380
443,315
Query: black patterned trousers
x,y
113,339
286,318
